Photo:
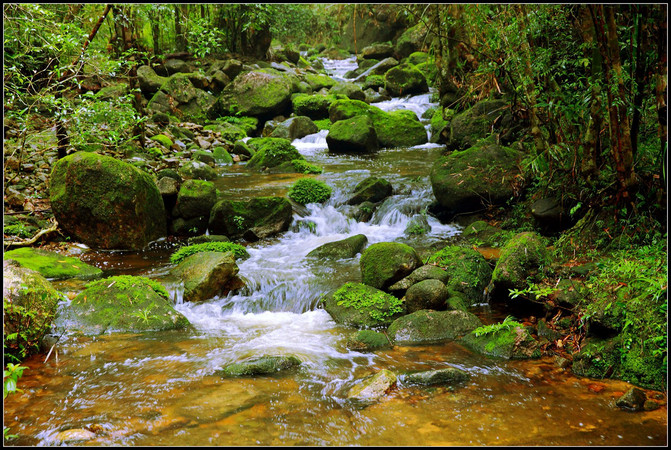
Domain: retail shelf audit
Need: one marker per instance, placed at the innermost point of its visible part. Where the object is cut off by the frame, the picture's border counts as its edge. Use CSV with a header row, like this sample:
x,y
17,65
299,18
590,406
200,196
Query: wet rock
x,y
197,170
549,214
262,216
106,203
345,248
271,153
483,234
633,400
373,388
295,128
149,81
195,199
349,90
372,189
123,304
206,274
354,135
411,40
255,94
360,305
448,376
468,127
384,263
314,106
431,327
266,365
427,294
405,80
367,341
425,272
53,265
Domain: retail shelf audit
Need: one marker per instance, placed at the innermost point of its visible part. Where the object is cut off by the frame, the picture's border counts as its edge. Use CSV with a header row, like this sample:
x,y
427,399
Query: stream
x,y
161,388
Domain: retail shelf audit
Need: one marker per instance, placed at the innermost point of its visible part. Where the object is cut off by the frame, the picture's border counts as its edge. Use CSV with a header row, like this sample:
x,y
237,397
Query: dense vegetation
x,y
584,85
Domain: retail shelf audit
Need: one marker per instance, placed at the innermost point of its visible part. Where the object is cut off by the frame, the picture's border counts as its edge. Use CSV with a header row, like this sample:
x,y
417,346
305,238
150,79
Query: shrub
x,y
309,190
237,249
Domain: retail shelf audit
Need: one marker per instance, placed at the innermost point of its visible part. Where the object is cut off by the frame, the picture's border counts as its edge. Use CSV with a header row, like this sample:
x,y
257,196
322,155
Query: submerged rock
x,y
373,388
368,340
265,365
449,376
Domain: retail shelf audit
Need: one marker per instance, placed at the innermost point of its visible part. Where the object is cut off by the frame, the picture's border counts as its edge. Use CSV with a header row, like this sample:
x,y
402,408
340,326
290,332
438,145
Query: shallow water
x,y
162,388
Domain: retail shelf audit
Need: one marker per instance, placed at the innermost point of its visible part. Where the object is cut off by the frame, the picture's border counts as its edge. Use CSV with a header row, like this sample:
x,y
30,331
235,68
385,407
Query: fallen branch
x,y
27,242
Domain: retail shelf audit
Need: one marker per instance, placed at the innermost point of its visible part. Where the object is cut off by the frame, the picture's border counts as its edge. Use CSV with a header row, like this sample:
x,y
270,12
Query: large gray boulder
x,y
431,327
252,219
206,274
344,248
256,93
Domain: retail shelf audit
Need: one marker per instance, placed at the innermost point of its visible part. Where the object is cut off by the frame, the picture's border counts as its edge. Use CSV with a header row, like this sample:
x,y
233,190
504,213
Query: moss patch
x,y
468,271
238,250
53,265
363,306
309,190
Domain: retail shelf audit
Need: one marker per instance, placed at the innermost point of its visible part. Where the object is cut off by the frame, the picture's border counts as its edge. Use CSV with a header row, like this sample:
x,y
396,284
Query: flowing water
x,y
162,389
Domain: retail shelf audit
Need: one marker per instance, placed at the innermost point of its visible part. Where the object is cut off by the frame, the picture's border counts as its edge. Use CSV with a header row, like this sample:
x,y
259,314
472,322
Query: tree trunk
x,y
640,76
591,142
619,126
180,42
660,96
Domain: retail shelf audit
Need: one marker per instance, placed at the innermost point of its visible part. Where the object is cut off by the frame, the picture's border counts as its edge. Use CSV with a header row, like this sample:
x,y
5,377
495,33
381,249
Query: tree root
x,y
27,242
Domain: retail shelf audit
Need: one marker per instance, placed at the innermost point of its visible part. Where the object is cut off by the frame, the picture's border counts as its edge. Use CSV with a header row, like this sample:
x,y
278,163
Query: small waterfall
x,y
337,68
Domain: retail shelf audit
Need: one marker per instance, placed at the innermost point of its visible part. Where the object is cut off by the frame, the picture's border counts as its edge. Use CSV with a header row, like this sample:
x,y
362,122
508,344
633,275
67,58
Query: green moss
x,y
238,250
312,106
468,270
128,281
221,155
380,306
323,124
162,139
248,124
302,166
309,190
271,152
53,265
373,82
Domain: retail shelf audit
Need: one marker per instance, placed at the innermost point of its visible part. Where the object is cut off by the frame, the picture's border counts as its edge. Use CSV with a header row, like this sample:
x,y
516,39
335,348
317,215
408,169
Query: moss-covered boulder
x,y
378,50
372,189
265,365
314,106
179,96
197,170
385,263
522,257
106,203
256,93
372,388
400,128
232,132
405,80
362,306
29,305
209,243
418,225
349,90
150,82
125,304
368,341
309,190
206,274
295,128
425,272
53,265
468,127
318,81
427,294
195,199
468,271
479,177
272,153
509,340
431,327
342,249
449,376
354,135
254,219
